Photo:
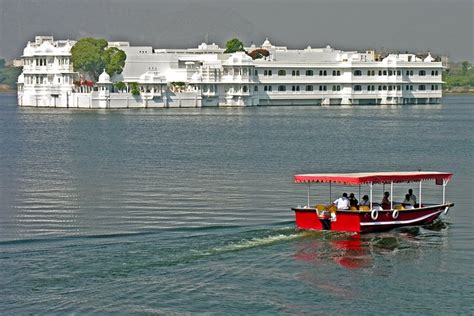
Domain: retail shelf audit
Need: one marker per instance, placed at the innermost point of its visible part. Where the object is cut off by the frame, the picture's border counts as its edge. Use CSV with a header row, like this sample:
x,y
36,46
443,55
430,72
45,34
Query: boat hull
x,y
368,221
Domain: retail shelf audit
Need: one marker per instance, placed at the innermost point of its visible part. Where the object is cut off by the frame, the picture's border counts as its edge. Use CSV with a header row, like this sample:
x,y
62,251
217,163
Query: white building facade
x,y
206,76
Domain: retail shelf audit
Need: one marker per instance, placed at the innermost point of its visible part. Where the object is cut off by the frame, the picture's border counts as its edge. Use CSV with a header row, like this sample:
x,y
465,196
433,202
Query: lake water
x,y
188,211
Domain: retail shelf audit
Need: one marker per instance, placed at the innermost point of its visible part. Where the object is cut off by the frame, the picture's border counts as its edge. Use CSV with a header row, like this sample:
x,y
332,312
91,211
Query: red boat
x,y
373,217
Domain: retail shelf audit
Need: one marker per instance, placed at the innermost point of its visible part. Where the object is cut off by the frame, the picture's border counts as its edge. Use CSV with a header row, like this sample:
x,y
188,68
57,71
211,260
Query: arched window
x,y
255,88
334,73
338,72
390,73
256,73
357,73
320,72
385,72
270,73
421,87
245,89
265,73
293,72
380,72
282,72
309,73
421,73
357,88
325,73
309,88
265,88
281,88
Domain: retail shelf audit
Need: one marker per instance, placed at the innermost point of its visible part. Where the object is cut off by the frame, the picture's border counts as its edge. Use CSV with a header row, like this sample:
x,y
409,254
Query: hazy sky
x,y
441,26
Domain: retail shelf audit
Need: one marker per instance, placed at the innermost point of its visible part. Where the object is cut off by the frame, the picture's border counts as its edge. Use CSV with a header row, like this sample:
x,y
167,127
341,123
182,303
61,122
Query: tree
x,y
90,56
120,86
234,45
465,66
114,60
259,53
134,88
2,63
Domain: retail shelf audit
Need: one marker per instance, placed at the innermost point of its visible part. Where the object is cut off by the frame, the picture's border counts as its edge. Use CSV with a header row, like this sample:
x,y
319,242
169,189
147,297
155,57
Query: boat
x,y
373,217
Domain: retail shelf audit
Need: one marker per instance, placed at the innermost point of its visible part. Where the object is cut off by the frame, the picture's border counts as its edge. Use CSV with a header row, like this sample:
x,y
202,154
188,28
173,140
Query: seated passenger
x,y
386,201
342,203
353,201
407,200
364,201
412,197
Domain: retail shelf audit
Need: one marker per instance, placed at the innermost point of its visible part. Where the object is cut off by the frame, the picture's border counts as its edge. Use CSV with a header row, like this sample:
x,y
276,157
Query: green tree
x,y
134,88
465,66
86,56
234,45
114,60
2,63
120,86
90,56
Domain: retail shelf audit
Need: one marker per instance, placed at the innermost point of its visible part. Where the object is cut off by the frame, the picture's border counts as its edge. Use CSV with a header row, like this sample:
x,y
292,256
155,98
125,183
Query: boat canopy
x,y
374,177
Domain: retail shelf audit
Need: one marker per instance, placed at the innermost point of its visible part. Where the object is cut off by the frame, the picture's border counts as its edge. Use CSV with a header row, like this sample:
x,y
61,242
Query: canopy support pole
x,y
309,186
359,192
370,185
391,196
419,202
444,191
330,193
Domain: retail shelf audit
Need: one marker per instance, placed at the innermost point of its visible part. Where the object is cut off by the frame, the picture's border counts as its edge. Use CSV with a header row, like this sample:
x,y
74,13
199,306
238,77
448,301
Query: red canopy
x,y
374,177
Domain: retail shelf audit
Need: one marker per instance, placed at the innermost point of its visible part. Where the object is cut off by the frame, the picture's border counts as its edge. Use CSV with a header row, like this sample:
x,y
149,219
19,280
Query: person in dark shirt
x,y
354,202
386,201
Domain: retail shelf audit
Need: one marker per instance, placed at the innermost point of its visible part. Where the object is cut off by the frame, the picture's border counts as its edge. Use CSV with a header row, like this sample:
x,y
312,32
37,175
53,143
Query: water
x,y
188,211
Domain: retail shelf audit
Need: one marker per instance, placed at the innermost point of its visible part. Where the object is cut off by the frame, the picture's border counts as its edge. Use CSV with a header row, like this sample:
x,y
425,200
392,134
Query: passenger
x,y
386,201
353,201
412,197
364,201
407,202
342,203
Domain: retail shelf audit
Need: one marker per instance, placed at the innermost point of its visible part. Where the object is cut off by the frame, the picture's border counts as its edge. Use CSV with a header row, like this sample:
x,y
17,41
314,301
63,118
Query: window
x,y
325,73
282,72
309,73
380,88
368,72
384,88
385,72
357,88
399,72
265,88
338,88
295,73
357,73
421,87
256,73
309,88
322,88
338,72
270,88
390,73
421,73
297,88
270,73
399,88
265,73
334,73
281,88
390,88
368,88
255,88
320,72
293,88
245,89
380,72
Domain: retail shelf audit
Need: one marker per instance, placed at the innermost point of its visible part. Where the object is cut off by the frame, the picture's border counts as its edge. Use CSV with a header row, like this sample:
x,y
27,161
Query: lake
x,y
162,211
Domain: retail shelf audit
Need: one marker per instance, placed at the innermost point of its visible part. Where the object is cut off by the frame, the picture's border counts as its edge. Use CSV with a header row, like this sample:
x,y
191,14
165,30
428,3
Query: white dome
x,y
240,58
196,77
429,58
45,48
29,50
21,78
104,77
266,43
150,77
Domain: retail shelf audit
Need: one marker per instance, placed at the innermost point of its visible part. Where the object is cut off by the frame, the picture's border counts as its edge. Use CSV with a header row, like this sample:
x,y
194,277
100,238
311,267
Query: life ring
x,y
374,214
395,214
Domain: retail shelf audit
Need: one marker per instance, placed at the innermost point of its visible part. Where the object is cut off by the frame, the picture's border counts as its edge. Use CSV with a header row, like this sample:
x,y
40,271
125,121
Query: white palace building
x,y
206,76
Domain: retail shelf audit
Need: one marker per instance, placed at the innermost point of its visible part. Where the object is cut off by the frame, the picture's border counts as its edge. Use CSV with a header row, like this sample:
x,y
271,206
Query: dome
x,y
21,78
429,58
196,77
104,77
45,48
266,43
240,58
150,77
29,50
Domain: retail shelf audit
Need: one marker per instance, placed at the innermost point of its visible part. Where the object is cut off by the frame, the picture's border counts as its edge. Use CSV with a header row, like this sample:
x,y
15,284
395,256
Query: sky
x,y
444,27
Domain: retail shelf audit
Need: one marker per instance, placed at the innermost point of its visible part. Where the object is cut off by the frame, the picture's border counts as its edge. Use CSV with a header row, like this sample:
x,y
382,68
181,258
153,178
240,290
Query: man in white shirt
x,y
342,203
